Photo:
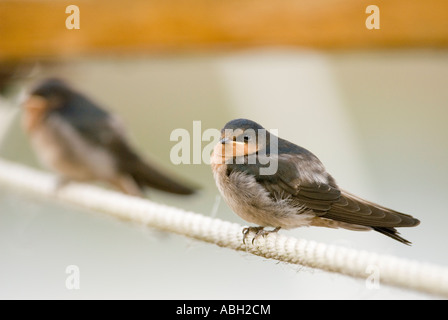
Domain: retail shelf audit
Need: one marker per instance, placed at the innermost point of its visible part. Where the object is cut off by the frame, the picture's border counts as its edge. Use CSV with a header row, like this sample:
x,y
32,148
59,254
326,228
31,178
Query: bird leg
x,y
60,183
259,232
127,185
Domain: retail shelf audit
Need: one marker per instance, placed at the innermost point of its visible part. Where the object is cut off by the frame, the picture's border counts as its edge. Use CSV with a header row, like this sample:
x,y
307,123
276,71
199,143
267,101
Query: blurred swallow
x,y
81,141
299,193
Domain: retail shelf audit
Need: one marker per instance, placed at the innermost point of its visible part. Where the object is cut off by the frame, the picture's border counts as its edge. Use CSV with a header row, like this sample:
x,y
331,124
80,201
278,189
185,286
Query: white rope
x,y
392,271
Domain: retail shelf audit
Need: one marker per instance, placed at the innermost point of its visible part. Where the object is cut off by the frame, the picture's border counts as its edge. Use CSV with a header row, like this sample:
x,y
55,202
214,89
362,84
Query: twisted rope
x,y
394,271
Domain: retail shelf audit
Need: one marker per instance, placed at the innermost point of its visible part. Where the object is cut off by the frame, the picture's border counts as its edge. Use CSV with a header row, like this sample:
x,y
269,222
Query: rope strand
x,y
394,271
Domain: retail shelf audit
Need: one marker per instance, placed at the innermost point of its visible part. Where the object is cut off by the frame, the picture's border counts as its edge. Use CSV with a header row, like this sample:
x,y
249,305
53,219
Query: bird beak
x,y
224,140
35,103
229,148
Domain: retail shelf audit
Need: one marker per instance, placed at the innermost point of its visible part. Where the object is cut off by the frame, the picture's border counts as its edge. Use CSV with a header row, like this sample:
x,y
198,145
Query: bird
x,y
271,182
80,141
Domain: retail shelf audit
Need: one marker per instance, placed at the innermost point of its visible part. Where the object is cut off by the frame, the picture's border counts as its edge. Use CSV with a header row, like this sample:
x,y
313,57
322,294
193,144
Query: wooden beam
x,y
37,28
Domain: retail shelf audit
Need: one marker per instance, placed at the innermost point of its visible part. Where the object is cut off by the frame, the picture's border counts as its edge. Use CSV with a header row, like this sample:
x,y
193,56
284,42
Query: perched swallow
x,y
300,192
81,141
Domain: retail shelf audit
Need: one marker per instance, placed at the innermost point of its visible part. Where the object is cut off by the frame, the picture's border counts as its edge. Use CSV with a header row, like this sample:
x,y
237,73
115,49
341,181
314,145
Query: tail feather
x,y
357,211
149,175
392,233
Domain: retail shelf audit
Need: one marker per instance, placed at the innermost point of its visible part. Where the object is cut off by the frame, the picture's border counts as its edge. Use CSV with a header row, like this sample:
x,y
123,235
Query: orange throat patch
x,y
35,109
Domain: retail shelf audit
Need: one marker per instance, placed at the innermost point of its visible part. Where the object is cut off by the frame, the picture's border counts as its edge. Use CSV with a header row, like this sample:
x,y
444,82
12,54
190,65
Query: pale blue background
x,y
377,120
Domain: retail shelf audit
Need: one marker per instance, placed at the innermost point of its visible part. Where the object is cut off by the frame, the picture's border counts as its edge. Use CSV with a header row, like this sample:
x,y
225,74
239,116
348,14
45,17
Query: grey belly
x,y
60,148
254,204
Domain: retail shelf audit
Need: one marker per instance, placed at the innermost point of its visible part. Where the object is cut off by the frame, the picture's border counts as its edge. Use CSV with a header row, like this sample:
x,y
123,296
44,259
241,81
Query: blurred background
x,y
371,104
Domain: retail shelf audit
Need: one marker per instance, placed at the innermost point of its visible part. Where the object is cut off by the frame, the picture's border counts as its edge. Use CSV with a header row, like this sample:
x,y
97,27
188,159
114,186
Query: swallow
x,y
80,141
297,192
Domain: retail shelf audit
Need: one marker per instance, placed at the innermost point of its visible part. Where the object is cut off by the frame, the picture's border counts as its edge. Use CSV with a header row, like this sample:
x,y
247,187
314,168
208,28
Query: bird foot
x,y
259,232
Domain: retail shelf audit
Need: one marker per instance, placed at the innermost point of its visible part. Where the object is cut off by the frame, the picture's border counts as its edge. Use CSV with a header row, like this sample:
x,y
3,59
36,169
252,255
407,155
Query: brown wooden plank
x,y
37,28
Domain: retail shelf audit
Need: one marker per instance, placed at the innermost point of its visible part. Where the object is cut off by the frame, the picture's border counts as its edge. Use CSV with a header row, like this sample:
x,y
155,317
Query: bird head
x,y
49,94
239,138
